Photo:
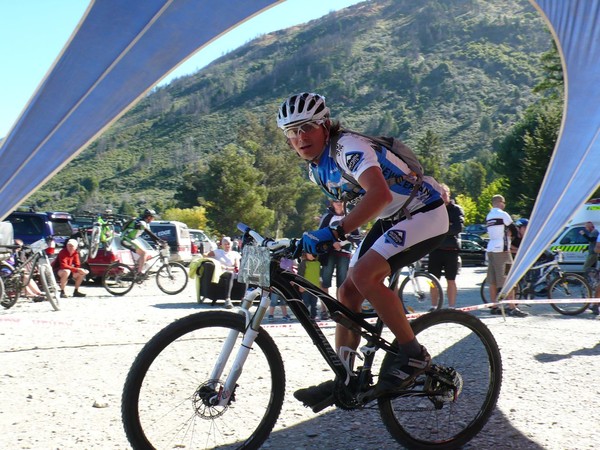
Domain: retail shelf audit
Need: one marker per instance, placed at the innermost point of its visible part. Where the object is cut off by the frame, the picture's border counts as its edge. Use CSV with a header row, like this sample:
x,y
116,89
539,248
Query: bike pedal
x,y
329,401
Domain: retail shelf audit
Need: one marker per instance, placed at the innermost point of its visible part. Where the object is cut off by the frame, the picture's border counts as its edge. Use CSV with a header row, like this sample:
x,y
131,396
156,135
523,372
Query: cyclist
x,y
393,242
133,230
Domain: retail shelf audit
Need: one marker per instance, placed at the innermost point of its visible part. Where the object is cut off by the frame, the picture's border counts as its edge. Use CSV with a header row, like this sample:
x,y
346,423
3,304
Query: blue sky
x,y
33,32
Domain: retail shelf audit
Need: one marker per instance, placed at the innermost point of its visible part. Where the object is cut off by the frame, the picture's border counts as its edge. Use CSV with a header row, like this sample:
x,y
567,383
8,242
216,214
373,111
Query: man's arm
x,y
597,248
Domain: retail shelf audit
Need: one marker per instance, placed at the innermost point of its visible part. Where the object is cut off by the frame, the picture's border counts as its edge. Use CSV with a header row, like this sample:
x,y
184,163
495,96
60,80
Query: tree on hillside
x,y
431,156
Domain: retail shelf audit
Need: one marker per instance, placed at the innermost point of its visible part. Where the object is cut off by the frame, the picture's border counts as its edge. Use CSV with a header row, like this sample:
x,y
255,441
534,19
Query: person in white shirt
x,y
500,260
230,263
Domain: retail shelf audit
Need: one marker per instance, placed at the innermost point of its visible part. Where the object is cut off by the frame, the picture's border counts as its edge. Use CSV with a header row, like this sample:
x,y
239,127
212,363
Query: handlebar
x,y
288,245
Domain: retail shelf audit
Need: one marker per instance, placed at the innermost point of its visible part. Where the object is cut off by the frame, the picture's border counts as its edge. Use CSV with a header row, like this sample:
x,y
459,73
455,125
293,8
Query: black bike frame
x,y
288,283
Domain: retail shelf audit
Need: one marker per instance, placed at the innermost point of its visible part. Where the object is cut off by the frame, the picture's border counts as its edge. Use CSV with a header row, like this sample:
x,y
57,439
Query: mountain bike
x,y
171,277
216,379
547,279
420,291
34,263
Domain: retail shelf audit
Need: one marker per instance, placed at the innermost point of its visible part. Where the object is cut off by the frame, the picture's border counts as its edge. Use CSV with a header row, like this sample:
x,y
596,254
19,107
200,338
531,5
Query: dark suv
x,y
33,226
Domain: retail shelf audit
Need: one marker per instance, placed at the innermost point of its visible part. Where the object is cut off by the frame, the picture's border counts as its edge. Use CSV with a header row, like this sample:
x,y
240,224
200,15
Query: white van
x,y
203,243
571,243
177,235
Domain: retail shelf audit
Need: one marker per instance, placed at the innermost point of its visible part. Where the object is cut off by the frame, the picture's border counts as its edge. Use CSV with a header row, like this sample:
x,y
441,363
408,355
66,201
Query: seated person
x,y
230,264
67,263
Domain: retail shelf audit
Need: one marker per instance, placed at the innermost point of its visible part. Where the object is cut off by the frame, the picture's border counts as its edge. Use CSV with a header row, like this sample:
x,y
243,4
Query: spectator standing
x,y
500,260
591,234
68,264
230,264
285,264
445,257
338,259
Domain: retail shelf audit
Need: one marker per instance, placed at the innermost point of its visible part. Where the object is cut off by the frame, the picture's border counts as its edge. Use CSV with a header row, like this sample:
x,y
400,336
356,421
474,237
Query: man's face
x,y
71,248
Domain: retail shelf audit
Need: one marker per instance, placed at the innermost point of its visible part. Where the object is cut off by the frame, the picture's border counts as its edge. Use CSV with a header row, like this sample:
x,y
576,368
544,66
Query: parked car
x,y
472,254
477,228
475,238
201,243
32,226
116,253
177,235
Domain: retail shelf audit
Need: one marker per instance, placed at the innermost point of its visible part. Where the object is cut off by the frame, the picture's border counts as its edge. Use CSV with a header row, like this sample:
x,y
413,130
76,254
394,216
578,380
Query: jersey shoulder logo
x,y
353,159
395,237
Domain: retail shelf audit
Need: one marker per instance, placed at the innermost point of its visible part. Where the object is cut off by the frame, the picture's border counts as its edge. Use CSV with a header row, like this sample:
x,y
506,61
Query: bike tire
x,y
421,293
118,279
163,402
459,340
172,278
94,242
569,286
519,291
12,288
51,290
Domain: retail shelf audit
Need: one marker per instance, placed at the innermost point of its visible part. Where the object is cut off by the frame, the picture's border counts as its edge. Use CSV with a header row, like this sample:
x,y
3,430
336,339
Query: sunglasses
x,y
294,132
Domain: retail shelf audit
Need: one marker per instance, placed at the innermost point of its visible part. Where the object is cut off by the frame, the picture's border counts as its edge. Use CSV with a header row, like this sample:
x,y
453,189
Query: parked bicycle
x,y
171,277
547,279
420,291
34,264
216,378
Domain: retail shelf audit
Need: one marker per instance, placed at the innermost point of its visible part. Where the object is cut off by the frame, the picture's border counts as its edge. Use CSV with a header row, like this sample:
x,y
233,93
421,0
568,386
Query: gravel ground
x,y
61,375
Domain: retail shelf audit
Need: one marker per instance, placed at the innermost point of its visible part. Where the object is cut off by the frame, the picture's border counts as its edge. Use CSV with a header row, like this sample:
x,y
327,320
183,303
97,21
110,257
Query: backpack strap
x,y
402,151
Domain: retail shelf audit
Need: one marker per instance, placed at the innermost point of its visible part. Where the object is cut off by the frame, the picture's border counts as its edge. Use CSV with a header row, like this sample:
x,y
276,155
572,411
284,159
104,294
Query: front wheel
x,y
172,278
118,279
49,285
170,392
431,416
12,286
421,293
571,287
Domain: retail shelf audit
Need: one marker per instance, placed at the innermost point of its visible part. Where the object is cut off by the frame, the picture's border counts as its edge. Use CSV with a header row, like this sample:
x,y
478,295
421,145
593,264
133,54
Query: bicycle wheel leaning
x,y
168,397
94,242
12,287
570,286
421,293
459,341
51,290
118,279
172,278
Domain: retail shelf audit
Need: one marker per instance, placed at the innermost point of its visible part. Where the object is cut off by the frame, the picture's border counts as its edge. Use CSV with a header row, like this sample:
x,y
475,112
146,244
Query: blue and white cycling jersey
x,y
355,154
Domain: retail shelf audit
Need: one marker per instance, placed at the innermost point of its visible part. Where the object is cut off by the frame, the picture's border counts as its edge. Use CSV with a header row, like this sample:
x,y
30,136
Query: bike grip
x,y
243,227
297,250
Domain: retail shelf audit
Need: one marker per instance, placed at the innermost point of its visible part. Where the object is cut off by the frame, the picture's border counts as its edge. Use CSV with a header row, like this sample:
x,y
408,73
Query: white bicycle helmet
x,y
301,108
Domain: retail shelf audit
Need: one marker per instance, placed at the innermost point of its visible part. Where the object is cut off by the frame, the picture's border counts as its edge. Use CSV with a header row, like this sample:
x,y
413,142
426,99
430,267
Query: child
x,y
310,268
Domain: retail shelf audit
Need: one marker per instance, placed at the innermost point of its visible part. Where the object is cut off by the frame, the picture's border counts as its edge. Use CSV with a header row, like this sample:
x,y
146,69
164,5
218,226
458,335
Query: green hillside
x,y
462,70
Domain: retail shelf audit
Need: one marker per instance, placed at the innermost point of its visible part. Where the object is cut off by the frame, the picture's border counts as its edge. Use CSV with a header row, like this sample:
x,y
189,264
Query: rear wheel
x,y
172,278
421,293
118,279
571,287
453,400
49,285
